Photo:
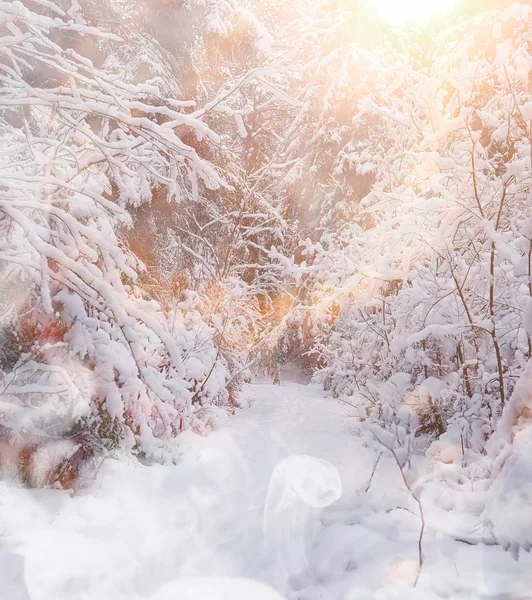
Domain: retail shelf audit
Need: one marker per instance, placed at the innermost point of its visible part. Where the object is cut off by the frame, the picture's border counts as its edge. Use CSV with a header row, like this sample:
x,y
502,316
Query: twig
x,y
401,465
373,473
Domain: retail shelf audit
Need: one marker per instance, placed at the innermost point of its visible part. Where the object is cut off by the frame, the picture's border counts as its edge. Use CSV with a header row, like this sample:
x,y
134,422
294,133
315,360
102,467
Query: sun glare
x,y
401,12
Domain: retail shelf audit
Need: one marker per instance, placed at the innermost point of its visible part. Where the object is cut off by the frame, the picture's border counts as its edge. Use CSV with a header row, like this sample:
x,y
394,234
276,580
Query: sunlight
x,y
400,12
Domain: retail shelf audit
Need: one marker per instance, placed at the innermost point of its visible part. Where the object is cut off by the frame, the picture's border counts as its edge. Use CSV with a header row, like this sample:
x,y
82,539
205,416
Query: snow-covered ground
x,y
273,505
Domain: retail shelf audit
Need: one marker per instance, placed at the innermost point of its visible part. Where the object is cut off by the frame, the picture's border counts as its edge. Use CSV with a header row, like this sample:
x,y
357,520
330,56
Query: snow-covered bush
x,y
91,358
418,260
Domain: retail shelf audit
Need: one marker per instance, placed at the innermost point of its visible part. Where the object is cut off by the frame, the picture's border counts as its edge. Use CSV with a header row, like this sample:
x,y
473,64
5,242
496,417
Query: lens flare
x,y
401,12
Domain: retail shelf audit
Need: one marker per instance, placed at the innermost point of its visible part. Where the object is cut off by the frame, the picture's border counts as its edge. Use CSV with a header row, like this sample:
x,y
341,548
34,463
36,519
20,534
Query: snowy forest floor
x,y
273,505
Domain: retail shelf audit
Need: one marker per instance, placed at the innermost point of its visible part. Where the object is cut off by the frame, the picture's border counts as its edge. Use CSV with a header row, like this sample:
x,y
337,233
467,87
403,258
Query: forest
x,y
273,260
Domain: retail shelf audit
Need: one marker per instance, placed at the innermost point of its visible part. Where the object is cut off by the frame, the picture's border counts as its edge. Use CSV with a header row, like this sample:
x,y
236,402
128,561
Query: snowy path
x,y
278,497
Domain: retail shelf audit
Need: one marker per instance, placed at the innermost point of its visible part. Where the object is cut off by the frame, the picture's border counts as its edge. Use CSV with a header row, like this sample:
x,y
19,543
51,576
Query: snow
x,y
273,504
413,303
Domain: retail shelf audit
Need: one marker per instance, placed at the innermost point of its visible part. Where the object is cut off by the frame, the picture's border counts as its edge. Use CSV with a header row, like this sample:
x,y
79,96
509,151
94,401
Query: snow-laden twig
x,y
401,466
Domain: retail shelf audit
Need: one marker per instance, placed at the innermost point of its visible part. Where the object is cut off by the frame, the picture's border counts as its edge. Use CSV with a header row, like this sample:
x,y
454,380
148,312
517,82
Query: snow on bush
x,y
420,259
91,359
